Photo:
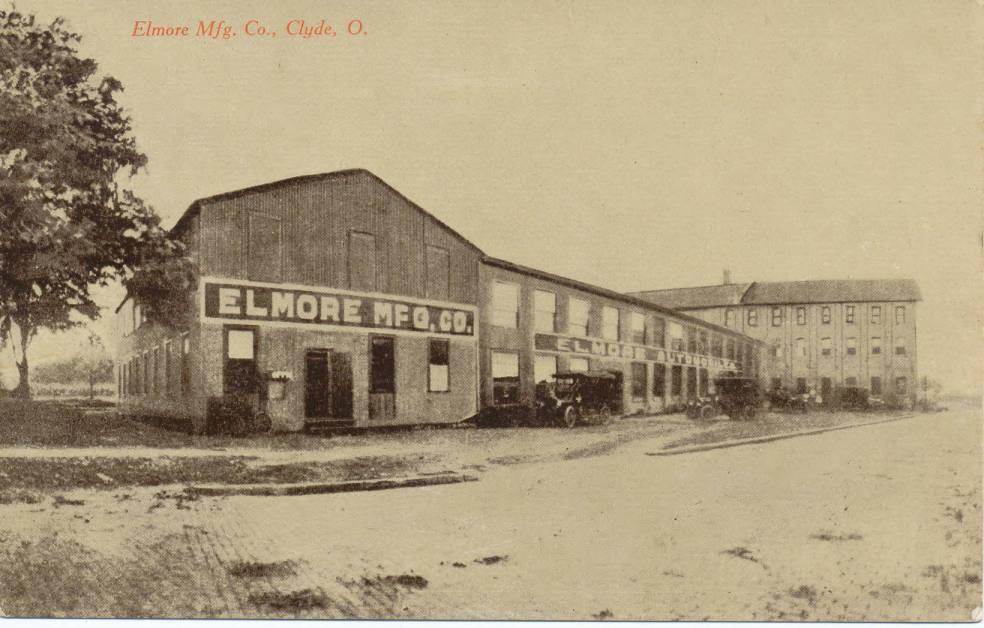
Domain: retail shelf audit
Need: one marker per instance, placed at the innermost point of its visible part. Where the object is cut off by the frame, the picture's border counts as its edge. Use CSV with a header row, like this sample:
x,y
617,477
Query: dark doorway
x,y
691,381
826,390
317,385
239,377
382,378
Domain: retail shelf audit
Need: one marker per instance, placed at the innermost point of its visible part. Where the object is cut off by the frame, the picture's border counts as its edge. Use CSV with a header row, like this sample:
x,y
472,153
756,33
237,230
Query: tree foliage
x,y
66,151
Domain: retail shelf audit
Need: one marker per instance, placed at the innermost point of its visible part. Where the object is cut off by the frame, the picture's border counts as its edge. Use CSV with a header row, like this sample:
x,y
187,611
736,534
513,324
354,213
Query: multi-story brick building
x,y
818,334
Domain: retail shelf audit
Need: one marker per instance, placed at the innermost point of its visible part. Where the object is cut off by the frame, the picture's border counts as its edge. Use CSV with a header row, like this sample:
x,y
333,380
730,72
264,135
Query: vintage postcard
x,y
456,310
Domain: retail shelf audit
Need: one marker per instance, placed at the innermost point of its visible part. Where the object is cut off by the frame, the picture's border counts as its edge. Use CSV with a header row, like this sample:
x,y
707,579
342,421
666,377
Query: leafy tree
x,y
66,151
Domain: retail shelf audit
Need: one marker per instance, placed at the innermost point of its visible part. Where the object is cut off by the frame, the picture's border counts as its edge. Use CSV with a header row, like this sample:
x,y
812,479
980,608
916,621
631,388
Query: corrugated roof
x,y
699,297
773,292
832,291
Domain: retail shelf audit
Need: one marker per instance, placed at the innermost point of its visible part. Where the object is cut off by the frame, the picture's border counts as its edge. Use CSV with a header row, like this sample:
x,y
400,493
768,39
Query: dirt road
x,y
875,523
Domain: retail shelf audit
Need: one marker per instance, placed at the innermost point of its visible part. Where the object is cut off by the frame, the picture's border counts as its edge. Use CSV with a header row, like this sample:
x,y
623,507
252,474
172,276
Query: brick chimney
x,y
726,279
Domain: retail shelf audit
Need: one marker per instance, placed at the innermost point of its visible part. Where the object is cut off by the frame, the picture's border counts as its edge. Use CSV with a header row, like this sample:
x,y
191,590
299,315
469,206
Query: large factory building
x,y
820,334
348,305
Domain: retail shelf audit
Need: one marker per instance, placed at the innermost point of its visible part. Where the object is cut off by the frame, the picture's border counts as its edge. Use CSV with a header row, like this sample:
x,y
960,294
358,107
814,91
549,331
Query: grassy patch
x,y
253,569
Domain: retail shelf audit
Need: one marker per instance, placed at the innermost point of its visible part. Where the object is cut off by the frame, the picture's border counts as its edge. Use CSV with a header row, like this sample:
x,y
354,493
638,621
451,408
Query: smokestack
x,y
726,280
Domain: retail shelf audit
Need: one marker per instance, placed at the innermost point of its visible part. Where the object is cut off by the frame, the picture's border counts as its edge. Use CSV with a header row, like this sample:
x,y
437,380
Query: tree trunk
x,y
23,390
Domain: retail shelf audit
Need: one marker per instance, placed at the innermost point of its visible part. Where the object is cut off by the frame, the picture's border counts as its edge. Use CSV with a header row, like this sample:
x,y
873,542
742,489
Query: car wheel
x,y
604,415
706,412
569,419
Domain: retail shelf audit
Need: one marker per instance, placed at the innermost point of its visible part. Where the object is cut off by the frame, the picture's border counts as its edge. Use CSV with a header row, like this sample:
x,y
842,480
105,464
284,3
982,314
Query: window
x,y
852,345
638,381
545,310
776,316
777,349
659,380
578,365
752,317
702,382
899,345
637,327
240,344
185,365
505,304
659,332
362,261
702,344
438,371
717,346
577,317
730,349
505,378
825,346
851,381
801,316
691,340
776,383
875,345
691,381
676,380
876,315
609,322
544,367
849,314
899,314
825,315
264,253
801,347
876,386
676,336
800,385
438,273
729,317
382,365
901,386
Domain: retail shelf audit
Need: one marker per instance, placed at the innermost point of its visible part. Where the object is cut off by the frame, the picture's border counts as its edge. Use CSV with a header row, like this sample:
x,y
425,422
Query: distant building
x,y
818,334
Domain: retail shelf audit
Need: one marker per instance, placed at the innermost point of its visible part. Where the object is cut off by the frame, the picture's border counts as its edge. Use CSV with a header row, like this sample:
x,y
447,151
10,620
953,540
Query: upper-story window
x,y
801,347
609,322
801,315
899,314
702,343
676,336
716,346
752,317
362,261
875,314
545,307
578,313
637,328
264,253
849,314
776,316
825,346
730,350
658,335
851,345
875,345
505,304
729,317
438,273
899,345
691,340
825,315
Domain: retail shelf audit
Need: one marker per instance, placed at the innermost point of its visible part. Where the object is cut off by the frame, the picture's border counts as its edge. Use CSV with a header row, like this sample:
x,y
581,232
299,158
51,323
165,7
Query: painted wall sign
x,y
250,303
625,351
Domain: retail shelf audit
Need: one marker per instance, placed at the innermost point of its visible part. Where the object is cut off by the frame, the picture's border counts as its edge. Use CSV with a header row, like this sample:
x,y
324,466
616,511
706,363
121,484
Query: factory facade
x,y
818,335
334,300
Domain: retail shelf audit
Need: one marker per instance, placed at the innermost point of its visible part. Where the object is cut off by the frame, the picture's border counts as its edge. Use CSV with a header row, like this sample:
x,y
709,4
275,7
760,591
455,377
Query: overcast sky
x,y
632,144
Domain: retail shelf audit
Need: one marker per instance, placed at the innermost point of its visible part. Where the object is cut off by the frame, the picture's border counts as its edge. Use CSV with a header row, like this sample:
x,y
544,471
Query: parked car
x,y
785,401
702,408
738,397
578,397
857,398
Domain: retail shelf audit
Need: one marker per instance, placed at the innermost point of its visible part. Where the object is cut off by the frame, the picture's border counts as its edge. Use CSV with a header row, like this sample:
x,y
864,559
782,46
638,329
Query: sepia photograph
x,y
528,310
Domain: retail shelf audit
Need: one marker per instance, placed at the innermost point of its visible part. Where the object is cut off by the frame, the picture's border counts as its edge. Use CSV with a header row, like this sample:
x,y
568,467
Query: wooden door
x,y
317,385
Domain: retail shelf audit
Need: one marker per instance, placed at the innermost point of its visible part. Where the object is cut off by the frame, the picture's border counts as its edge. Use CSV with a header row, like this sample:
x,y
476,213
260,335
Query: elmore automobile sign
x,y
249,303
621,350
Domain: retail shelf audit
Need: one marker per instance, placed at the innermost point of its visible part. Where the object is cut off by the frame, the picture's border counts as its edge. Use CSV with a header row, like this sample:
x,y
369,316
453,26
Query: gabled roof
x,y
832,291
196,206
702,296
777,292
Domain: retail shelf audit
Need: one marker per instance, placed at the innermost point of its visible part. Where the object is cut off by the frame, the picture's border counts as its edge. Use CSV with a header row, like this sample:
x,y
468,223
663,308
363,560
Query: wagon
x,y
578,397
738,397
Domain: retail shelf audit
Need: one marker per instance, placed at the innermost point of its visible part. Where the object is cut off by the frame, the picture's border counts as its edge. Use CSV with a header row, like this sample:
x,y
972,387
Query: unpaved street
x,y
880,522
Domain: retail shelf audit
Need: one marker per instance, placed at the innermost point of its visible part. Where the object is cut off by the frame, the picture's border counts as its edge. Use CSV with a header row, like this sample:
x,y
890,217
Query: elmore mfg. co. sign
x,y
626,351
250,303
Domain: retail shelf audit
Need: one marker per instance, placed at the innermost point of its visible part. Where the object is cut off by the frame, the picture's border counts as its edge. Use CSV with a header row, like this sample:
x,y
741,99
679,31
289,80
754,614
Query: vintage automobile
x,y
859,398
785,401
738,397
703,408
578,397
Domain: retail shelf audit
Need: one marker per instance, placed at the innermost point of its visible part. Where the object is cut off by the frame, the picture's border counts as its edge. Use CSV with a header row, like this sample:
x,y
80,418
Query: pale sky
x,y
631,144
